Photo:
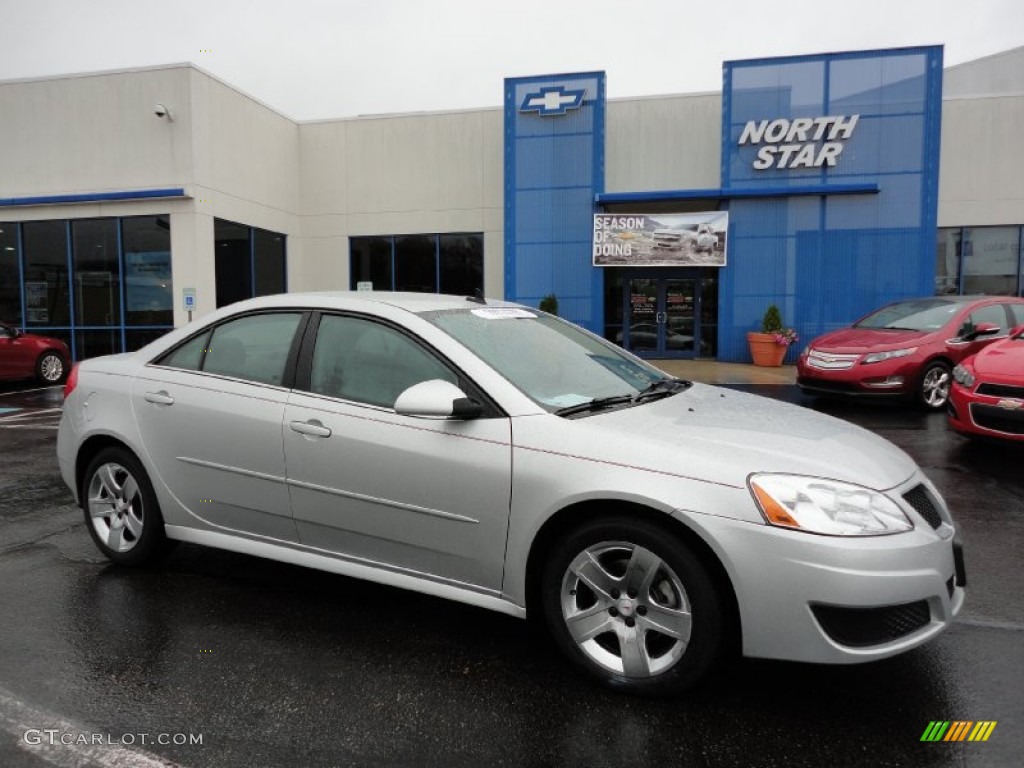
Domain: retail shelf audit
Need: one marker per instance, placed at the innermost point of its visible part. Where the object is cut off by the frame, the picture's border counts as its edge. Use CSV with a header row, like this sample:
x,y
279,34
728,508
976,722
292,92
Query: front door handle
x,y
312,428
160,398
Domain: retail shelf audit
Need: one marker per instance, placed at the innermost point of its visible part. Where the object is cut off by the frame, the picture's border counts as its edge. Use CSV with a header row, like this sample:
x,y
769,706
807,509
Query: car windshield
x,y
919,315
551,361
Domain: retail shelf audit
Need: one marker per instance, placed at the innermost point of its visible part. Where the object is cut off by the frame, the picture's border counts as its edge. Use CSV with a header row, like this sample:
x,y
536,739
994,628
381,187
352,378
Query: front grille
x,y
998,419
824,385
862,627
1000,390
827,361
919,498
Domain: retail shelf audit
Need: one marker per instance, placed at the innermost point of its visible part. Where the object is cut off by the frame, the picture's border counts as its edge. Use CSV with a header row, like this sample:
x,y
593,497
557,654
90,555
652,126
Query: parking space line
x,y
19,719
9,410
30,414
36,389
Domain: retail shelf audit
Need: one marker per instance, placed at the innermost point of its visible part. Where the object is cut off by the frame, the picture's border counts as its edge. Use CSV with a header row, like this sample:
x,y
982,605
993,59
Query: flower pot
x,y
765,350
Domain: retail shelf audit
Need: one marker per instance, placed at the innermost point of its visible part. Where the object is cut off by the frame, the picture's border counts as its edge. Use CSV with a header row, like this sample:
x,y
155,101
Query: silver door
x,y
425,495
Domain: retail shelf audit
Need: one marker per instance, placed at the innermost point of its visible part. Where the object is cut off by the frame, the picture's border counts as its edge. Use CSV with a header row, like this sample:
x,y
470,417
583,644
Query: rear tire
x,y
633,606
121,510
51,368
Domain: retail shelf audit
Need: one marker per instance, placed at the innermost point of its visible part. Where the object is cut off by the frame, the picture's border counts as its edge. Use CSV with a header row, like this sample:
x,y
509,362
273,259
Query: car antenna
x,y
477,297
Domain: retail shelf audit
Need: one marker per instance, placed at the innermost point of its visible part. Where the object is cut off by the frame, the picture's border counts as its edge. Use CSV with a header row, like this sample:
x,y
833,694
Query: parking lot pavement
x,y
270,664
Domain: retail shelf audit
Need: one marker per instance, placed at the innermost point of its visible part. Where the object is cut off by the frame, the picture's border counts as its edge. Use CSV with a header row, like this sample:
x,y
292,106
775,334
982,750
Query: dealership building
x,y
828,184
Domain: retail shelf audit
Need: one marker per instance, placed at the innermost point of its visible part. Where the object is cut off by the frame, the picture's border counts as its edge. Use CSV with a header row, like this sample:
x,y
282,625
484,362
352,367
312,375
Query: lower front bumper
x,y
781,577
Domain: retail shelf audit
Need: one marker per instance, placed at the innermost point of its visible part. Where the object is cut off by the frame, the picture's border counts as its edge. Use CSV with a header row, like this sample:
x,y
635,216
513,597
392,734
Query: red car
x,y
906,349
988,391
25,355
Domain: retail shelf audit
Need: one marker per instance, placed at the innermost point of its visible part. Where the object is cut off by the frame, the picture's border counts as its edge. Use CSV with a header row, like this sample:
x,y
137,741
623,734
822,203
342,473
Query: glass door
x,y
661,319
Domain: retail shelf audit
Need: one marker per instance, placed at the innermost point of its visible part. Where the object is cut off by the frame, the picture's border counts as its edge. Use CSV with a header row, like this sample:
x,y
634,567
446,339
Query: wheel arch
x,y
572,515
89,449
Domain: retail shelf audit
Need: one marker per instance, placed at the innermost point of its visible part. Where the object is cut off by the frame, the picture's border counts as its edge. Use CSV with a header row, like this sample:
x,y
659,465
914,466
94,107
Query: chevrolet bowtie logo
x,y
552,100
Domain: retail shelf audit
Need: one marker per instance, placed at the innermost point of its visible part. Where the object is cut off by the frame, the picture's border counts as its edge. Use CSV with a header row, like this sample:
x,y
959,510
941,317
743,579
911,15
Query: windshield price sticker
x,y
504,313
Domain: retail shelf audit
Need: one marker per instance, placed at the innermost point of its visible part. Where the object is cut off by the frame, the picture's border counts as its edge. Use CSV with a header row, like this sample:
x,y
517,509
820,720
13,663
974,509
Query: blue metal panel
x,y
21,271
868,188
827,260
93,197
554,167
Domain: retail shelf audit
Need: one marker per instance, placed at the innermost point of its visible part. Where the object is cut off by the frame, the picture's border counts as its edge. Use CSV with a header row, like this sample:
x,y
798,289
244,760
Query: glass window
x,y
916,315
268,262
549,360
1017,310
10,276
148,287
189,356
97,275
947,262
137,339
363,361
370,262
416,264
254,347
45,246
233,262
993,313
991,256
97,342
462,264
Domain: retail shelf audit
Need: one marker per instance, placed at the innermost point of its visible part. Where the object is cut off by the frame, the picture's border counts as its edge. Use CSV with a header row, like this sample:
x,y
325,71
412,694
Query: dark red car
x,y
906,349
988,391
25,355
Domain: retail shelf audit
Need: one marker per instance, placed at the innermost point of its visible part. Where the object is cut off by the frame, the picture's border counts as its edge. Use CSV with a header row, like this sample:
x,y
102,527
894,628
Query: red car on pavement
x,y
25,355
988,391
906,349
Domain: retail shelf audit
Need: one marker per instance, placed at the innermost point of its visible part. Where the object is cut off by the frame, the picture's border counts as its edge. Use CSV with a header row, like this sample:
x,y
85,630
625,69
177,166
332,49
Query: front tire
x,y
935,384
50,368
633,606
121,510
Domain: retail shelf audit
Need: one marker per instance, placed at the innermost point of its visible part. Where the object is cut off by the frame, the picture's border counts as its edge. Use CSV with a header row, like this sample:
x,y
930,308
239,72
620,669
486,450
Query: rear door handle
x,y
313,428
160,398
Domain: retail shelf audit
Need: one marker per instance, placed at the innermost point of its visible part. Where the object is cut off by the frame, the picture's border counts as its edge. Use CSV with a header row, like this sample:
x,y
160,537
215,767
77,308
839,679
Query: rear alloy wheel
x,y
121,510
632,605
935,384
50,368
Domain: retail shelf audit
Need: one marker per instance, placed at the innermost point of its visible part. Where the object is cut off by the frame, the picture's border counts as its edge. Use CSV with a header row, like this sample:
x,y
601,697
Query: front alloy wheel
x,y
50,368
633,605
935,386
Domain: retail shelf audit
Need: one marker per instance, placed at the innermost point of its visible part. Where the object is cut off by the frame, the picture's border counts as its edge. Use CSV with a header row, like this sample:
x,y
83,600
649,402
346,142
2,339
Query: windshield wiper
x,y
597,404
661,388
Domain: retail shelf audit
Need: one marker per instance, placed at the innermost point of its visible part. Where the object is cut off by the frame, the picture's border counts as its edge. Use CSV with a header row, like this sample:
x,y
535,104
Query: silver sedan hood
x,y
721,435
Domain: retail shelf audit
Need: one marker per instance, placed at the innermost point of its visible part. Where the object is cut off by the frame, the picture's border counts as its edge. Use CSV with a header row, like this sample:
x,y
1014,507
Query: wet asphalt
x,y
277,665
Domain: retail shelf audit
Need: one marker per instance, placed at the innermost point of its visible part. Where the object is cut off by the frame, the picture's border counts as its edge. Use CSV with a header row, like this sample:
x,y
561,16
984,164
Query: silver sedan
x,y
489,453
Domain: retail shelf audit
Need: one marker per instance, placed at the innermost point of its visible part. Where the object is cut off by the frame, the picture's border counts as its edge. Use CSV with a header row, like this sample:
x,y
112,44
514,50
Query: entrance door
x,y
661,318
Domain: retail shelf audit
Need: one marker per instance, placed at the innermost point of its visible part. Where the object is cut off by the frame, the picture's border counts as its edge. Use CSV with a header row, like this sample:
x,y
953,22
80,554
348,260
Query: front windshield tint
x,y
923,315
552,361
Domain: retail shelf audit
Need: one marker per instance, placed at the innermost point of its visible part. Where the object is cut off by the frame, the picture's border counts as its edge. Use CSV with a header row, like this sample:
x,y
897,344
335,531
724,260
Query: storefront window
x,y
148,288
991,260
452,263
947,262
97,276
10,274
249,262
416,264
268,262
47,297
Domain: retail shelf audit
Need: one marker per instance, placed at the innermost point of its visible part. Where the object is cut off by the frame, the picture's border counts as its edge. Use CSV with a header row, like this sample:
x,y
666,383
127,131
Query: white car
x,y
492,454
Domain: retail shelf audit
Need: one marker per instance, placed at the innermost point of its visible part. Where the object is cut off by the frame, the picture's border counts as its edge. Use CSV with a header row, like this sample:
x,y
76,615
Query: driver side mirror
x,y
981,329
437,399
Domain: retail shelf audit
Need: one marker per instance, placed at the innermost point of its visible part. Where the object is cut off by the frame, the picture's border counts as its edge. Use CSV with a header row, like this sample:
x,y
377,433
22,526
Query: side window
x,y
253,348
993,313
364,361
188,356
1018,314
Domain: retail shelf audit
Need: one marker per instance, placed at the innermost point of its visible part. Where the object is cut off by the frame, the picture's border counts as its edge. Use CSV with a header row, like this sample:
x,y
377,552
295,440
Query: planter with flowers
x,y
769,347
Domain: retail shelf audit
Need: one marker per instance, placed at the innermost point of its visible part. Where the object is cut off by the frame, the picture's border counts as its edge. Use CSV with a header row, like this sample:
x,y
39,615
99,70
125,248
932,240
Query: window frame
x,y
304,366
287,378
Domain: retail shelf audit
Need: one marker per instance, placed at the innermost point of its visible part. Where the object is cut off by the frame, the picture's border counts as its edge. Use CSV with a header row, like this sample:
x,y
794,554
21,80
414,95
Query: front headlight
x,y
831,507
962,375
877,357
